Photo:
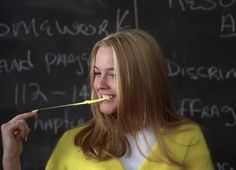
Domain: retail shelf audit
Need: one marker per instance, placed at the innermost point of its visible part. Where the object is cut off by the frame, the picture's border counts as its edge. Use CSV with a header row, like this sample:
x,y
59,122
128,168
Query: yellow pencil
x,y
72,104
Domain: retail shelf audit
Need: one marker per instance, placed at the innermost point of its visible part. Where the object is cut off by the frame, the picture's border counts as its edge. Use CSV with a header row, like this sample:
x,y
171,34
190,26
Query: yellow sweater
x,y
186,143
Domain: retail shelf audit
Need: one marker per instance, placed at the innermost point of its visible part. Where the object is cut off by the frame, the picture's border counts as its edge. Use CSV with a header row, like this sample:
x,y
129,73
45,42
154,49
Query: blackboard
x,y
44,49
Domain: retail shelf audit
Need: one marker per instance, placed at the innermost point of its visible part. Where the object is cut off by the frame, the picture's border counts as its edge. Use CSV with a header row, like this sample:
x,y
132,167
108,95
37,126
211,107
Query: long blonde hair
x,y
143,99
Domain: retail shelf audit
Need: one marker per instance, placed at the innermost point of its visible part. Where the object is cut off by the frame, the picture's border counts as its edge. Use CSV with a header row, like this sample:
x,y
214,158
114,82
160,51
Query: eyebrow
x,y
108,69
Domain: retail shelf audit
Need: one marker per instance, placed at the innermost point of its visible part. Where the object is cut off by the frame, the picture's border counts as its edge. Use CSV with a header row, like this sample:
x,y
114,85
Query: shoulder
x,y
185,134
74,131
70,134
188,143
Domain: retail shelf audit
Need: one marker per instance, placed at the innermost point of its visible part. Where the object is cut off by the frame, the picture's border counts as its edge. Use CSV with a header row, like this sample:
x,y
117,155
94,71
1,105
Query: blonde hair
x,y
143,99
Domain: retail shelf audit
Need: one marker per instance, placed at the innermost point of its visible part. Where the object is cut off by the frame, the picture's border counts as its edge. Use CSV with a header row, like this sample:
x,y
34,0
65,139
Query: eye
x,y
96,73
111,75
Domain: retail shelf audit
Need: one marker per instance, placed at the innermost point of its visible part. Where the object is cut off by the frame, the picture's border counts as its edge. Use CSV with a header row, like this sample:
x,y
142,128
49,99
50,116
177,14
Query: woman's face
x,y
105,80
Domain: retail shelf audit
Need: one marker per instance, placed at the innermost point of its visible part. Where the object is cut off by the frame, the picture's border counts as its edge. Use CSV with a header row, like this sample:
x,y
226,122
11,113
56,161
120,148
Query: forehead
x,y
104,58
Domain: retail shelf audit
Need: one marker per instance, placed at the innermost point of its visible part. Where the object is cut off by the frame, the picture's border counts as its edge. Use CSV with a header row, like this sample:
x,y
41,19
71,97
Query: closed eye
x,y
97,73
111,75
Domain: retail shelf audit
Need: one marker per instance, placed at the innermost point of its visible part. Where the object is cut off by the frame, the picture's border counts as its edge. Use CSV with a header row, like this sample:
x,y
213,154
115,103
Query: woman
x,y
137,128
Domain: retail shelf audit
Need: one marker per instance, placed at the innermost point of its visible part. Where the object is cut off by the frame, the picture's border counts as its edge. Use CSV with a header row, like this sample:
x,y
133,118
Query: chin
x,y
108,107
108,111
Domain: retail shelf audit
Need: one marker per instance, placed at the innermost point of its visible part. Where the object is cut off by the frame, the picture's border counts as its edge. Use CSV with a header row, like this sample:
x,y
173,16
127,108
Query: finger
x,y
26,131
24,116
21,129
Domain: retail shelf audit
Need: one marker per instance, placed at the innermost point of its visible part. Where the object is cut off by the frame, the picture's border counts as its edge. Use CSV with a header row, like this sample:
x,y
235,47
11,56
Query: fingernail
x,y
36,110
16,132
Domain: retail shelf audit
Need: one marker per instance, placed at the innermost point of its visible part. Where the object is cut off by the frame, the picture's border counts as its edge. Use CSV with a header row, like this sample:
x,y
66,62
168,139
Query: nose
x,y
101,83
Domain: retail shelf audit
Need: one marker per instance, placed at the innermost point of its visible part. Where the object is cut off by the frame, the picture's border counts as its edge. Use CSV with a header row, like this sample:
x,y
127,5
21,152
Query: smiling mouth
x,y
109,97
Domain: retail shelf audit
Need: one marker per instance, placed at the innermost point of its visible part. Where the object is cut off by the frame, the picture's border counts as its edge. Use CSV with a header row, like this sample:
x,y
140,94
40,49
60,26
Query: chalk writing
x,y
54,27
55,124
206,5
17,64
34,72
195,107
228,26
120,20
64,60
61,93
84,92
30,92
136,14
224,166
200,72
77,94
51,28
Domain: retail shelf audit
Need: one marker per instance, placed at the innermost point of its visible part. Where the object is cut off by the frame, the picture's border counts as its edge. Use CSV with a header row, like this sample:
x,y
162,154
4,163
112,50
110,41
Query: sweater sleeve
x,y
198,156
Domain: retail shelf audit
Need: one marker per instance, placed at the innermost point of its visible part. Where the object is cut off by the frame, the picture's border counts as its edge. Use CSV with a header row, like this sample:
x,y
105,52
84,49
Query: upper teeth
x,y
107,96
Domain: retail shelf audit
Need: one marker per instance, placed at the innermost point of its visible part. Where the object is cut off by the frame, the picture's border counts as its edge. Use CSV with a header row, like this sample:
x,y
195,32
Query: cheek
x,y
94,89
114,86
95,82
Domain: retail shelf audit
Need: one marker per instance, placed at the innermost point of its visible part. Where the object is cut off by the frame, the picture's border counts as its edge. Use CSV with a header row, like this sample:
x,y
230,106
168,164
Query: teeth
x,y
107,96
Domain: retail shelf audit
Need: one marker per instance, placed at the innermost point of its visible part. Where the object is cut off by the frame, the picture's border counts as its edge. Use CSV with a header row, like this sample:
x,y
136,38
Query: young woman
x,y
137,128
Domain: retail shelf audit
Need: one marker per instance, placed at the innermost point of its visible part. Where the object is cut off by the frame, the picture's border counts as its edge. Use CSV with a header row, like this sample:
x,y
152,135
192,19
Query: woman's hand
x,y
13,134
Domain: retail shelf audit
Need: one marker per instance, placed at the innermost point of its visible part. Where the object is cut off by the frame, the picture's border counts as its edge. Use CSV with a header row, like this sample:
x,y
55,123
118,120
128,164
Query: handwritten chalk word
x,y
224,166
200,72
56,124
195,107
16,64
204,5
54,27
51,28
228,26
64,60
